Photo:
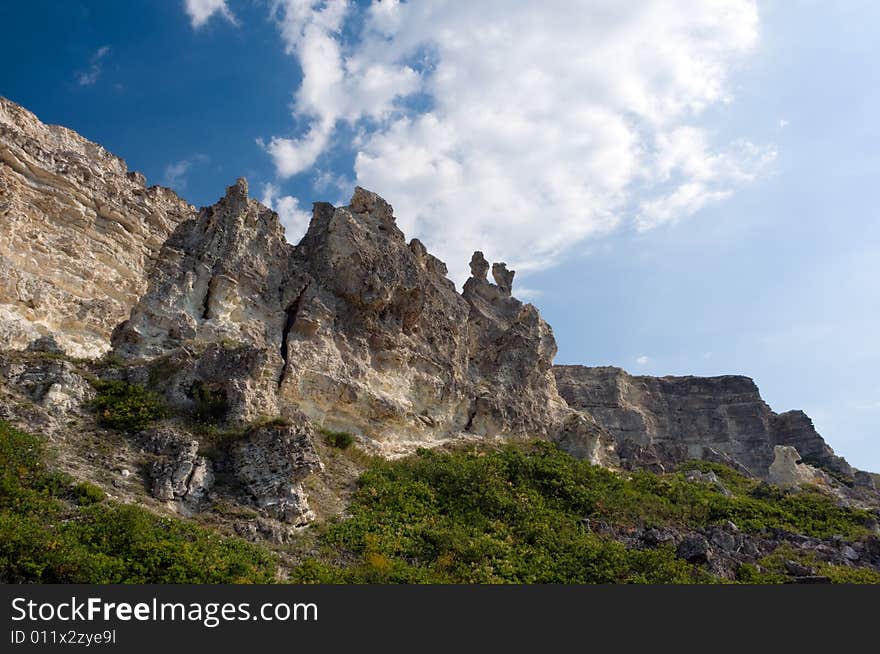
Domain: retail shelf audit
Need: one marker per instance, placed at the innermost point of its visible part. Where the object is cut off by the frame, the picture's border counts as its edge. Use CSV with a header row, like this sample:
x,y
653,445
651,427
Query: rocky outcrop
x,y
272,462
44,393
657,423
79,235
787,471
354,327
179,474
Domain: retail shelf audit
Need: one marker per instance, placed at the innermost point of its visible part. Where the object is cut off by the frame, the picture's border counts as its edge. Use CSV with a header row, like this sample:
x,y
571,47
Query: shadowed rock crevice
x,y
206,302
291,313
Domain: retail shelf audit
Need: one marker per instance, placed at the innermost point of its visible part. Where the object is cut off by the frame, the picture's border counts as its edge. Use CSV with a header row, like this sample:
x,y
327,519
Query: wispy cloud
x,y
200,11
643,360
175,175
96,67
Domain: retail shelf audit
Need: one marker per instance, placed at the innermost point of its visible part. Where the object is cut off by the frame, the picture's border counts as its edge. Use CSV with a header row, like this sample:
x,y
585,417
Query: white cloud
x,y
643,360
522,128
783,123
294,219
200,11
527,294
96,67
175,175
335,87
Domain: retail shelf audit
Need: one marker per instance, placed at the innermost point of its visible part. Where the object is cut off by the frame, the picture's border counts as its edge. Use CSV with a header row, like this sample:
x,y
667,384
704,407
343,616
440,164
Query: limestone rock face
x,y
355,327
78,235
272,462
179,474
796,429
657,423
222,276
53,385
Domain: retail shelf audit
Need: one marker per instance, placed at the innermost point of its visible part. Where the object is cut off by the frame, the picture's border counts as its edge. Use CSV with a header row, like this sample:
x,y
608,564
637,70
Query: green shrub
x,y
86,493
339,439
127,407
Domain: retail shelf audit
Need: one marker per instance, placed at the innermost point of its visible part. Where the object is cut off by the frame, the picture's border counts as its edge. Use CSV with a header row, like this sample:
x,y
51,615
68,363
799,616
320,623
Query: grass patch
x,y
86,493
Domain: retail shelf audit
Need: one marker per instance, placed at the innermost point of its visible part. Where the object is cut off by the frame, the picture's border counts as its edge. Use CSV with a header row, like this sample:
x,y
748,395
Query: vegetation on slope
x,y
515,514
53,530
520,514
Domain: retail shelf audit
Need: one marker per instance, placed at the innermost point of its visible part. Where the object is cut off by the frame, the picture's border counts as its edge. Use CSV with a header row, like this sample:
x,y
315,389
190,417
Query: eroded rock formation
x,y
355,327
79,235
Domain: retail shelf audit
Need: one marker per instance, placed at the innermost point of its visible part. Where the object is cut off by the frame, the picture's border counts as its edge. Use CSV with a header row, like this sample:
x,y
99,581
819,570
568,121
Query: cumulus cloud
x,y
516,127
200,11
96,67
643,360
294,219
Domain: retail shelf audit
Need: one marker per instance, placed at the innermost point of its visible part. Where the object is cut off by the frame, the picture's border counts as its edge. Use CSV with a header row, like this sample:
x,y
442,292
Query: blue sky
x,y
685,188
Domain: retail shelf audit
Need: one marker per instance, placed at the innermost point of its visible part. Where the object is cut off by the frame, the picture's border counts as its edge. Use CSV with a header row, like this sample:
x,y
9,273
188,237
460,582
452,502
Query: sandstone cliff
x,y
79,235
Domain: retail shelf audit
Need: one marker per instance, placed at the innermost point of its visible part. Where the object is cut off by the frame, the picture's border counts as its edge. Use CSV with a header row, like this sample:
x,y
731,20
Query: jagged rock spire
x,y
503,277
479,266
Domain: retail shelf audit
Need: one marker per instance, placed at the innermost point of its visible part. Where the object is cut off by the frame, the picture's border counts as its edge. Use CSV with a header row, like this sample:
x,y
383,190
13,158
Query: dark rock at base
x,y
694,549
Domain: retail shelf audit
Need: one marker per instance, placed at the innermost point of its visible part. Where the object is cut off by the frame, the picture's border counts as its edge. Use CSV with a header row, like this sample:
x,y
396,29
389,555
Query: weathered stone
x,y
796,569
46,344
79,235
849,553
653,537
725,540
503,277
479,266
864,479
694,549
787,471
179,474
52,384
272,462
354,327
